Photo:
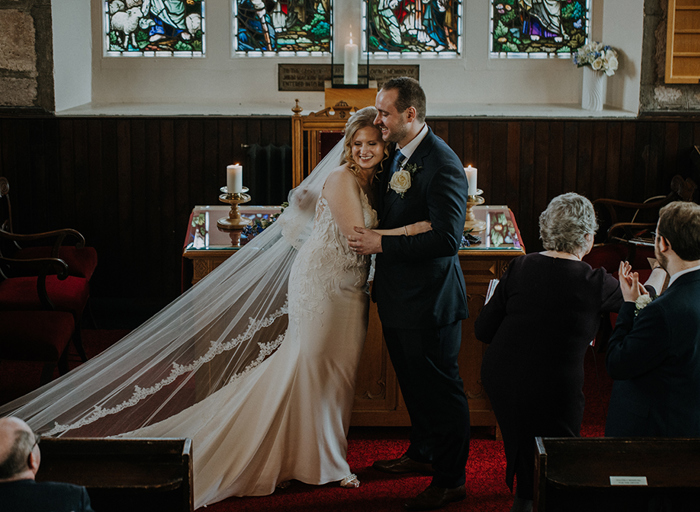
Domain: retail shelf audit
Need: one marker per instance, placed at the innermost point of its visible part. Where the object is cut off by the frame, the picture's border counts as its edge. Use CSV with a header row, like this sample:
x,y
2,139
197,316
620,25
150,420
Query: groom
x,y
420,292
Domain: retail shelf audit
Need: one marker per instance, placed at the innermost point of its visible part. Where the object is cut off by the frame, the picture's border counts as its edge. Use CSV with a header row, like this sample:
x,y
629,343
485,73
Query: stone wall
x,y
657,96
26,54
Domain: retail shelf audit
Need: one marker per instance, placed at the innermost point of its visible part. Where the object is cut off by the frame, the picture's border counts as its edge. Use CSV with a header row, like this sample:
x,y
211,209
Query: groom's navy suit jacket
x,y
418,281
655,361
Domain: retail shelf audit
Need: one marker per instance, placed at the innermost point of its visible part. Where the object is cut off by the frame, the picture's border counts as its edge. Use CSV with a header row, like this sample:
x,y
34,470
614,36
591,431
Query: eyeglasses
x,y
37,440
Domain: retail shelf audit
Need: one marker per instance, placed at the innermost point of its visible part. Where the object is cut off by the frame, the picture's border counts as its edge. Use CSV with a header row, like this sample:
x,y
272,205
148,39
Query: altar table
x,y
378,400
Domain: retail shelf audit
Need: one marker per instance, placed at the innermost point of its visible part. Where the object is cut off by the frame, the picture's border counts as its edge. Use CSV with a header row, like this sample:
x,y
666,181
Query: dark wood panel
x,y
129,184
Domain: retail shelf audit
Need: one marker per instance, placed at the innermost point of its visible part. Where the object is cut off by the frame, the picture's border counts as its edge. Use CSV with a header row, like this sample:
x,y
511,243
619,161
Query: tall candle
x,y
471,178
234,178
351,59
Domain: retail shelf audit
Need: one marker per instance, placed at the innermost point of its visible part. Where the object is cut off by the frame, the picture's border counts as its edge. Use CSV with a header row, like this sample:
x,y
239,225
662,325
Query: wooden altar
x,y
378,400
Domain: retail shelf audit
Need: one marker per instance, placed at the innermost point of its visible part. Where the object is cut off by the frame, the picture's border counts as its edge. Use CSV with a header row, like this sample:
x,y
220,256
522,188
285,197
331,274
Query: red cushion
x,y
70,295
34,335
607,256
81,261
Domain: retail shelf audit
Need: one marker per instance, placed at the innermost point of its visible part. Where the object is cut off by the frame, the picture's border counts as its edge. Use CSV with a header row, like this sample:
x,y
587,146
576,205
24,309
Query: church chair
x,y
314,135
43,284
81,260
38,334
625,227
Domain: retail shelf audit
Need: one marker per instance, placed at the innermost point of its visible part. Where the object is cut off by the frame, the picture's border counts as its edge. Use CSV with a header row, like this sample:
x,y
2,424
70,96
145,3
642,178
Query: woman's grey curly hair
x,y
566,222
361,119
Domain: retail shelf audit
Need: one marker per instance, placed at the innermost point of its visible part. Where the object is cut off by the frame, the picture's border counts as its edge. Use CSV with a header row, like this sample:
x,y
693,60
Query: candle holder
x,y
234,219
471,223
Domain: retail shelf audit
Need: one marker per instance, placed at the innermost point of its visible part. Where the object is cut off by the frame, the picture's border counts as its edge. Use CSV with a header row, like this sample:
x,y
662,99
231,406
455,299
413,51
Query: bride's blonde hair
x,y
363,118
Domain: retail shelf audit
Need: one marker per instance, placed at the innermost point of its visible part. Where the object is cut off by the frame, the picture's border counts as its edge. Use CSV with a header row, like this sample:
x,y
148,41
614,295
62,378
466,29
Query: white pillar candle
x,y
471,178
234,178
351,59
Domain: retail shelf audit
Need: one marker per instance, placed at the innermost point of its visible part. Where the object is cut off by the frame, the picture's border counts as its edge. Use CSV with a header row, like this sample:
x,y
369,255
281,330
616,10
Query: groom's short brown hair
x,y
410,94
679,223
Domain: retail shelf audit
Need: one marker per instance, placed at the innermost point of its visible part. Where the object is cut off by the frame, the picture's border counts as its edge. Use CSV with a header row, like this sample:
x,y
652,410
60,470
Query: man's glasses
x,y
37,440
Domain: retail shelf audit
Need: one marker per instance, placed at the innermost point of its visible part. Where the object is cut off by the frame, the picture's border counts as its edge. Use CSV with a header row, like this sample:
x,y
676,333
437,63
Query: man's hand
x,y
630,286
365,241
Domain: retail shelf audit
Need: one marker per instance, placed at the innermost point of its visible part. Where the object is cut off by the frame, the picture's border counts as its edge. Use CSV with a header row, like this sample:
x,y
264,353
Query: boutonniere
x,y
641,302
401,180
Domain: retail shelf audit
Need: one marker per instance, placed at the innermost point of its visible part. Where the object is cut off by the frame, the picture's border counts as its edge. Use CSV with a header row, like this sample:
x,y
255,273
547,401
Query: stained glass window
x,y
154,27
521,28
414,26
277,26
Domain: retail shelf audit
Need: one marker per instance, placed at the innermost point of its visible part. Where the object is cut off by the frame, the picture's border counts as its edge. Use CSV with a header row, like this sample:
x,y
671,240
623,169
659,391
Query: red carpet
x,y
486,488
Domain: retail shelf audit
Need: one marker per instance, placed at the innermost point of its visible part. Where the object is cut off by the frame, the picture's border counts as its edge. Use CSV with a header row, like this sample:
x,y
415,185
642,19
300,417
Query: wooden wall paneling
x,y
139,182
541,194
505,152
655,176
627,162
268,129
641,161
456,141
152,235
571,129
470,149
195,162
527,177
81,176
224,157
169,239
107,241
670,162
210,182
441,128
584,158
485,174
240,137
555,151
98,214
124,217
598,159
64,203
182,202
612,160
283,134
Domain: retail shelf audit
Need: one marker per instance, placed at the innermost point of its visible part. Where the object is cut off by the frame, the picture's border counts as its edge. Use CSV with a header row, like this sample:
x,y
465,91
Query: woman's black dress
x,y
543,315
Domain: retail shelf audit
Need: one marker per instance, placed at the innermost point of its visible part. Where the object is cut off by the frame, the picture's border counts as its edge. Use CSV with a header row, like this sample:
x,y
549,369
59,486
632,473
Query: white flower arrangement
x,y
401,180
597,55
641,302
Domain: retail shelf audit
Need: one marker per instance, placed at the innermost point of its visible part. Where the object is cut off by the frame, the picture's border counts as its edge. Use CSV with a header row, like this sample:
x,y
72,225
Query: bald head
x,y
18,459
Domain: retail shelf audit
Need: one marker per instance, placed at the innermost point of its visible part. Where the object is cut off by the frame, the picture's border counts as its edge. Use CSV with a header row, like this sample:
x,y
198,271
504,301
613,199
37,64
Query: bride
x,y
257,362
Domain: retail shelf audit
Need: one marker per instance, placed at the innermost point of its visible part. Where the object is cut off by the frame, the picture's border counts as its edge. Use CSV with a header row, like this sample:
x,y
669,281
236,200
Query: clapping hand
x,y
629,283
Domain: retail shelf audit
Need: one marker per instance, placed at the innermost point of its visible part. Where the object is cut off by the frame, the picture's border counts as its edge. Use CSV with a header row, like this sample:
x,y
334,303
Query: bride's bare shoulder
x,y
341,176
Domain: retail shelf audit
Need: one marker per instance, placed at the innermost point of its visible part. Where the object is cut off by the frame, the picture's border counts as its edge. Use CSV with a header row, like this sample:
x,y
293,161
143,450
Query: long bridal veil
x,y
212,335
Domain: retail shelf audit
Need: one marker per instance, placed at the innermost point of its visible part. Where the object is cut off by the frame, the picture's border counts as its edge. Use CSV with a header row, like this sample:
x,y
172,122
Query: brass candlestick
x,y
471,223
234,219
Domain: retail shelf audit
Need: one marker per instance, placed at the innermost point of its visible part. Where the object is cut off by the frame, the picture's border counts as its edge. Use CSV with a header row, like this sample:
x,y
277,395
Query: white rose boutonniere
x,y
641,302
402,179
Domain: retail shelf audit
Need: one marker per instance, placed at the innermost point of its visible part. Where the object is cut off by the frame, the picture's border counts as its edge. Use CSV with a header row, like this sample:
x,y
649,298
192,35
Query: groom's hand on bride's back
x,y
365,241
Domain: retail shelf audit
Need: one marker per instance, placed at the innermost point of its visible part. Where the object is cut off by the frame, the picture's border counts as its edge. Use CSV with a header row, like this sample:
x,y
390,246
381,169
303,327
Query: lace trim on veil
x,y
178,370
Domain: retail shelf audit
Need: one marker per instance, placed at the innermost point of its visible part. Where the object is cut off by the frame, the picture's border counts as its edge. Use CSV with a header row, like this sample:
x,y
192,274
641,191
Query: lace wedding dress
x,y
256,363
289,417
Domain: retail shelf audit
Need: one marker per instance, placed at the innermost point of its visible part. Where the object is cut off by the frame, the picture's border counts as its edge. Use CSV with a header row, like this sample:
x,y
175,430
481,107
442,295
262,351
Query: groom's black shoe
x,y
403,465
435,497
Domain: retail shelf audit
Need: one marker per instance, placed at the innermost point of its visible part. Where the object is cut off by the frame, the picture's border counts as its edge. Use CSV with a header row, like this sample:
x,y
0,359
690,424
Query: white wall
x,y
471,84
72,53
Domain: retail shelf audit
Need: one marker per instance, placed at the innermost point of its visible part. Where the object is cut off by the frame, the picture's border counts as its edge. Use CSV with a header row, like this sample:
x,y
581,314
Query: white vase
x,y
594,88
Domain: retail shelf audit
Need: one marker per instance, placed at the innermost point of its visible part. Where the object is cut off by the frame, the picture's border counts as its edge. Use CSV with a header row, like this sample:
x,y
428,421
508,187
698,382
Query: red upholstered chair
x,y
48,288
30,330
81,260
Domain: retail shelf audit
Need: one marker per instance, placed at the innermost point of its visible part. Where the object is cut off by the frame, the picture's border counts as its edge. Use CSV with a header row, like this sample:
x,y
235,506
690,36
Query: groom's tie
x,y
396,163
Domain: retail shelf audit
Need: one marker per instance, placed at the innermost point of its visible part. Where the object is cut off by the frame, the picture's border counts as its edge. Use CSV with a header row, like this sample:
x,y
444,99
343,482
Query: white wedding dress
x,y
288,418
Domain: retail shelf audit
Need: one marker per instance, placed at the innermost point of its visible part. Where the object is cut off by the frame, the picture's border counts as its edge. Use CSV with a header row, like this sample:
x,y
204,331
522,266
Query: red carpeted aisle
x,y
378,492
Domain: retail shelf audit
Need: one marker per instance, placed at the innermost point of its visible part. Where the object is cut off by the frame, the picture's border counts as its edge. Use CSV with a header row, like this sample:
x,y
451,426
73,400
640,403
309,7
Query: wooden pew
x,y
617,474
133,475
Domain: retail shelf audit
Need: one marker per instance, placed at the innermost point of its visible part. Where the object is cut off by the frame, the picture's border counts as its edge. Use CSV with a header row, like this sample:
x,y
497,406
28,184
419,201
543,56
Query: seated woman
x,y
541,318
